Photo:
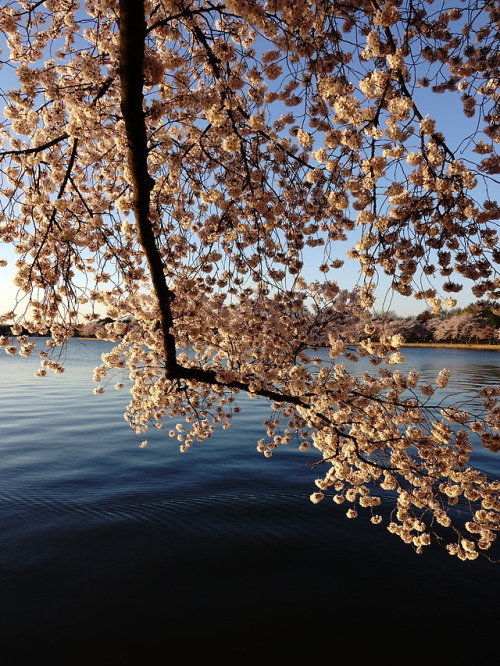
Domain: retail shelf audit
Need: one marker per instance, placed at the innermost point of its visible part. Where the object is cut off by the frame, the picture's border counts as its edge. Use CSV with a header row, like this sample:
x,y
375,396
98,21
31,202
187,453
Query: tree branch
x,y
132,36
209,377
34,149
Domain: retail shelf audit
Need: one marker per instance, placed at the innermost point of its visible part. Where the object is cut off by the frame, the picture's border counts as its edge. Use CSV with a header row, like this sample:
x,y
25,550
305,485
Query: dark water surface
x,y
107,549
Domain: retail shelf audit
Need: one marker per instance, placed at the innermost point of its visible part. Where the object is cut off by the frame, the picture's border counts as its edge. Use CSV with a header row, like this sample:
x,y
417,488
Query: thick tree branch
x,y
132,36
209,377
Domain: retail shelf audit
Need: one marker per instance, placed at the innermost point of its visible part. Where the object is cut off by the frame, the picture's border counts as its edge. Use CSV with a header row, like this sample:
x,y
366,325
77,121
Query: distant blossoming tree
x,y
464,328
179,162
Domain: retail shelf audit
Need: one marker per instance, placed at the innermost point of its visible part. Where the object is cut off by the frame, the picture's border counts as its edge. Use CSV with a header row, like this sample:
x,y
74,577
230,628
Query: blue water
x,y
106,547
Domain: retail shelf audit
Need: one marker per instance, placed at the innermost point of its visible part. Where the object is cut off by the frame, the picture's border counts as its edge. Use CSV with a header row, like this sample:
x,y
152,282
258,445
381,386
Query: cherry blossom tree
x,y
463,328
183,162
412,330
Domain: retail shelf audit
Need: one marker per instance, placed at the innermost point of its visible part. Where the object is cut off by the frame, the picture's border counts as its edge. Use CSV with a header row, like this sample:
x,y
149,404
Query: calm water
x,y
109,547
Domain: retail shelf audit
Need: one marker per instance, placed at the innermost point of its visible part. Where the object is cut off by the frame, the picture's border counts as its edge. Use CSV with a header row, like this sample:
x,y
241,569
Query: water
x,y
107,548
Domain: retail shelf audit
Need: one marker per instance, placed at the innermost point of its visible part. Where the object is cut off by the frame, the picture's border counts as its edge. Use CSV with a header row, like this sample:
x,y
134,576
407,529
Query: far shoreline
x,y
437,345
449,345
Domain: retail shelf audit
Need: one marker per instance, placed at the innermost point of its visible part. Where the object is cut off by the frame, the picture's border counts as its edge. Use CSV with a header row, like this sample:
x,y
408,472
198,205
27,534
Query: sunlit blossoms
x,y
181,167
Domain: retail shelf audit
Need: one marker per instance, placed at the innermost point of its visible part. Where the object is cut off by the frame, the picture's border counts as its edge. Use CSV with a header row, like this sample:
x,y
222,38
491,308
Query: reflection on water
x,y
107,544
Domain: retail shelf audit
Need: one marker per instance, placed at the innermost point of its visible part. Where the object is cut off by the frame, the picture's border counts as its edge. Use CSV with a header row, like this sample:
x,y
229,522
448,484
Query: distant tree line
x,y
478,323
